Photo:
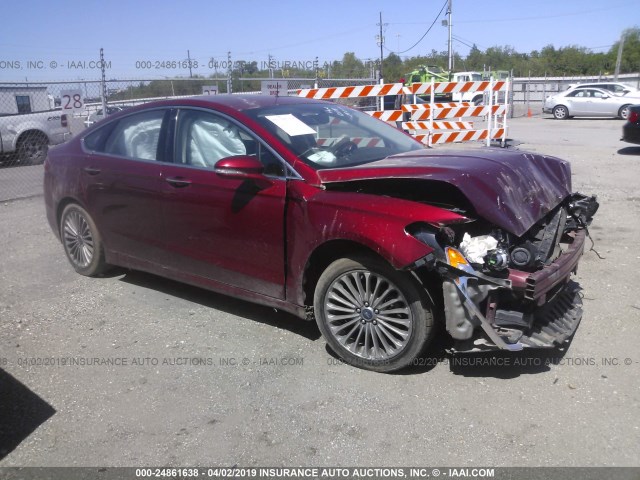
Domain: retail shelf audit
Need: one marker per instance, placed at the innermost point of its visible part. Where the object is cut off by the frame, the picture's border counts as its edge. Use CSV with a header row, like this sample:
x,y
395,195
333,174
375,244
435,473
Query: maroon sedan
x,y
325,212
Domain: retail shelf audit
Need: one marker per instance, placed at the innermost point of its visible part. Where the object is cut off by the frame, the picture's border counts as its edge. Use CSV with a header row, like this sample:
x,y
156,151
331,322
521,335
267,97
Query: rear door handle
x,y
178,182
92,170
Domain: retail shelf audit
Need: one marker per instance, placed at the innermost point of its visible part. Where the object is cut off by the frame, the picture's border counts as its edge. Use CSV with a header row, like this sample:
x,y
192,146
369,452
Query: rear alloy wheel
x,y
373,316
33,148
81,240
560,112
623,113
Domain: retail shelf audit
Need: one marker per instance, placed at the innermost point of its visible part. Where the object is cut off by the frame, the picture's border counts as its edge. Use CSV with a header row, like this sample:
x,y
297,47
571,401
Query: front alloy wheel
x,y
371,315
81,240
560,112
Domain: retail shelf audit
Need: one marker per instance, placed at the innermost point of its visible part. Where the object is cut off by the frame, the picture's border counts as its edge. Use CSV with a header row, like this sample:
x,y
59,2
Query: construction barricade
x,y
435,122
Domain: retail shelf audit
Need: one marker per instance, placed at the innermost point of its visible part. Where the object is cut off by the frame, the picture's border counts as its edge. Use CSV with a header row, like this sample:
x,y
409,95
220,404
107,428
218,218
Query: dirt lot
x,y
264,390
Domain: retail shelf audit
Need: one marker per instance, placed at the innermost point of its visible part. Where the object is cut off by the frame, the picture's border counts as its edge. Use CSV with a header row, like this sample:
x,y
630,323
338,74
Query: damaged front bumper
x,y
541,309
507,291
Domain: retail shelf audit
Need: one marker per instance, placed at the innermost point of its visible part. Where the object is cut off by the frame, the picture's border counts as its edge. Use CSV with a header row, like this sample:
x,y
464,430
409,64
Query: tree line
x,y
550,61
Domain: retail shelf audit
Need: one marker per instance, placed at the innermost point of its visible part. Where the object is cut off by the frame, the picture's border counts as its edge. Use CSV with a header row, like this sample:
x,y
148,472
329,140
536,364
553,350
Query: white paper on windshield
x,y
323,157
291,125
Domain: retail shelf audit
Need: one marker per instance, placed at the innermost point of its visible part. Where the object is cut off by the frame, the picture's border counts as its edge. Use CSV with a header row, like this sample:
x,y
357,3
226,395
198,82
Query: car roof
x,y
238,102
593,84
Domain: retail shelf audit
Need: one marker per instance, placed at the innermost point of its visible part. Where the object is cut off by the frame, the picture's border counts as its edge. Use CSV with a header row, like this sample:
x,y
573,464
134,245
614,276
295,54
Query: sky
x,y
46,41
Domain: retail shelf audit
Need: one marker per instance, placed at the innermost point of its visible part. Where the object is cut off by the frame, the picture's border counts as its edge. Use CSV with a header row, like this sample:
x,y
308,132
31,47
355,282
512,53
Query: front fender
x,y
376,222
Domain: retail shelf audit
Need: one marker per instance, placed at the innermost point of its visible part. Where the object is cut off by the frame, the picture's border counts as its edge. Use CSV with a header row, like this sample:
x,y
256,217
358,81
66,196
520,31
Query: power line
x,y
425,33
457,39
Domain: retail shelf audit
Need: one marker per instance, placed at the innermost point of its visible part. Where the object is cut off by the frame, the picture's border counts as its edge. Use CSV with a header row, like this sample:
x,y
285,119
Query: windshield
x,y
333,136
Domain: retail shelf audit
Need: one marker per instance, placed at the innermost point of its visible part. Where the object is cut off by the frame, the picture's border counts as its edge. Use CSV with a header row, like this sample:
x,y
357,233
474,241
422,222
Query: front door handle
x,y
178,182
92,170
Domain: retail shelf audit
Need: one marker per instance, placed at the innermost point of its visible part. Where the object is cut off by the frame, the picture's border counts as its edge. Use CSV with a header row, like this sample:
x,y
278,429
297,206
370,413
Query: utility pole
x,y
103,81
381,43
189,60
229,74
450,44
619,59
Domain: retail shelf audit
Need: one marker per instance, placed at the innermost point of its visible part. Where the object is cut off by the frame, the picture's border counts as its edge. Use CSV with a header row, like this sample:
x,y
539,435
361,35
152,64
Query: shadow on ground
x,y
22,413
496,364
630,151
206,298
492,364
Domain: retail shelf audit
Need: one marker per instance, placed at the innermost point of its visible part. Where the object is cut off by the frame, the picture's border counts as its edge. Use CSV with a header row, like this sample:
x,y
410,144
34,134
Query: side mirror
x,y
239,166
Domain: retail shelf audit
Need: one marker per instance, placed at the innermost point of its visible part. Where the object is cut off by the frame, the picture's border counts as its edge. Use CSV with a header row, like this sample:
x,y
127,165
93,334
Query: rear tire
x,y
81,241
560,112
33,148
373,316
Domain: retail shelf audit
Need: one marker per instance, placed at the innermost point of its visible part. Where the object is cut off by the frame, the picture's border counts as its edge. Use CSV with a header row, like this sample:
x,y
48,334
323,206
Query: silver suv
x,y
614,87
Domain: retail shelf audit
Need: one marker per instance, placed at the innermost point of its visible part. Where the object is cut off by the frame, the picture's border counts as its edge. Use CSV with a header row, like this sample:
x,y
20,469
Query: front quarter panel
x,y
317,216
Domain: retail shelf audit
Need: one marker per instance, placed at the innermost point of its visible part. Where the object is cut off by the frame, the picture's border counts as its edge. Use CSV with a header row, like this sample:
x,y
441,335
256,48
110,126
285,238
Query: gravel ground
x,y
264,389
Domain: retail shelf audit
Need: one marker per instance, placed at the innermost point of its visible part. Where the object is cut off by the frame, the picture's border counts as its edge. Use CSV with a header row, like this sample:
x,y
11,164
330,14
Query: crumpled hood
x,y
512,189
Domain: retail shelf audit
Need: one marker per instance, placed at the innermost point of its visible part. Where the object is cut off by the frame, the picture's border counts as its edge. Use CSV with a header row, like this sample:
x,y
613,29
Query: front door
x,y
225,229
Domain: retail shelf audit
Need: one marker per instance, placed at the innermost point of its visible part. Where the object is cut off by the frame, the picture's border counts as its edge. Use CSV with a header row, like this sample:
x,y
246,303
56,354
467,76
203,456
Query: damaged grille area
x,y
541,245
543,280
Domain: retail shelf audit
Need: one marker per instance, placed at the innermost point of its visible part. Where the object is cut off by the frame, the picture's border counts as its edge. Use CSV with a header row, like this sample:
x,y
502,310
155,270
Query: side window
x,y
598,94
203,138
272,165
23,103
136,136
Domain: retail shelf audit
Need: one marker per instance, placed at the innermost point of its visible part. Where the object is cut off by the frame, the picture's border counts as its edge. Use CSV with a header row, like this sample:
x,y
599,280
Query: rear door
x,y
230,230
121,183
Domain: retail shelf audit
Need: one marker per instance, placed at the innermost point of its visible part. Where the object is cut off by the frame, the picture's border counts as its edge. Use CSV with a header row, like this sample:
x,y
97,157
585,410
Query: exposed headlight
x,y
456,259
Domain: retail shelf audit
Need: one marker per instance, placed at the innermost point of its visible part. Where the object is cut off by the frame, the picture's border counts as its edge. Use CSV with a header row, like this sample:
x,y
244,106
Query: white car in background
x,y
587,102
98,115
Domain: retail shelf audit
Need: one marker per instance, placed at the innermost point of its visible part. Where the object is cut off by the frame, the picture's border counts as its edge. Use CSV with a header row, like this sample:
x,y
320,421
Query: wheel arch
x,y
478,99
30,131
627,106
323,256
333,250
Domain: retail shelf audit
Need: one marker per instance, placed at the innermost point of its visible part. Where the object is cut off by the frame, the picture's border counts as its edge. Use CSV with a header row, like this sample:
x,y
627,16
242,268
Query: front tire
x,y
33,148
82,241
373,316
623,113
560,112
